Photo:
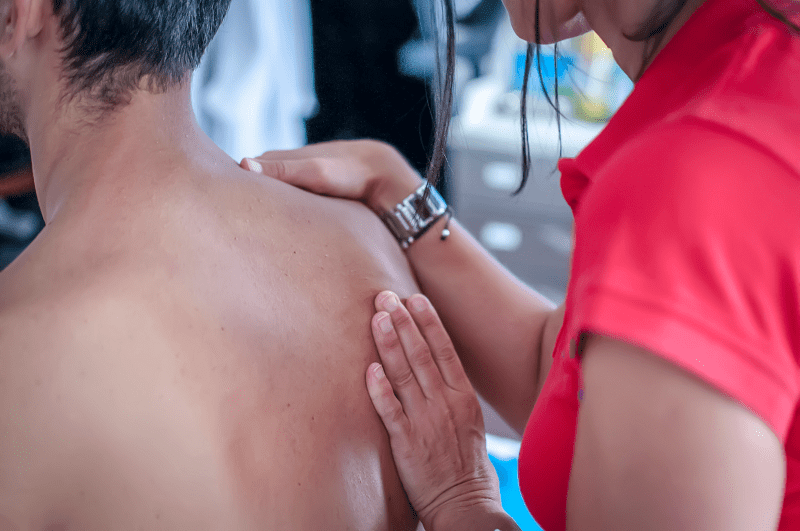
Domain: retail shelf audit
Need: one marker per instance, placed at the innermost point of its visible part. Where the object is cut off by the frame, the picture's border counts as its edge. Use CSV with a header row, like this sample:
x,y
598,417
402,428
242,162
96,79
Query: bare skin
x,y
168,372
183,330
183,346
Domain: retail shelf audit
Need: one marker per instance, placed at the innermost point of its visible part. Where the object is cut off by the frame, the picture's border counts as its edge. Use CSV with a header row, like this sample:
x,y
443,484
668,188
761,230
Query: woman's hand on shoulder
x,y
433,418
369,171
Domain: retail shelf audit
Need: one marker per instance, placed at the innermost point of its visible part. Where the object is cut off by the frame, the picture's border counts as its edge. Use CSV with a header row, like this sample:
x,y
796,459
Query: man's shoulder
x,y
364,233
304,215
50,315
364,227
35,324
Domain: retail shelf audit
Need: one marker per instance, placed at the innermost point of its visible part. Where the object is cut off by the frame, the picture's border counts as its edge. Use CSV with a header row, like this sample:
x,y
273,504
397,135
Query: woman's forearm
x,y
474,519
499,325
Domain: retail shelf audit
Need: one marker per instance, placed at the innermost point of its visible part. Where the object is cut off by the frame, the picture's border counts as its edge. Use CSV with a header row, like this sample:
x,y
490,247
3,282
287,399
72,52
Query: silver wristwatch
x,y
415,214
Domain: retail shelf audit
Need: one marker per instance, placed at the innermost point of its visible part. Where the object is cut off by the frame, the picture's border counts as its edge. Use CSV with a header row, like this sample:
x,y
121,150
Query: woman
x,y
662,395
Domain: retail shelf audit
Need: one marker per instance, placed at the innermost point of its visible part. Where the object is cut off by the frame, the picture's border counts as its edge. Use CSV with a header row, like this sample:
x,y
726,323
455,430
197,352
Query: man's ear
x,y
19,19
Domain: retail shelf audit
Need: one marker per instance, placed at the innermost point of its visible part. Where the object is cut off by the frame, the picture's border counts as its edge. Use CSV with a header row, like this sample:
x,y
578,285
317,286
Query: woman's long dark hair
x,y
443,88
651,31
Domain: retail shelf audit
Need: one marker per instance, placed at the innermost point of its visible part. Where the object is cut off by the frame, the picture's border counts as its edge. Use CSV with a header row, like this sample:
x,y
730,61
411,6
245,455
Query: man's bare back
x,y
193,358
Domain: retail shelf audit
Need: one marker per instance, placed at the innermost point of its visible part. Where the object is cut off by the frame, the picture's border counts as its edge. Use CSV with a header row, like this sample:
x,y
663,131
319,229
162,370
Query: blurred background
x,y
282,73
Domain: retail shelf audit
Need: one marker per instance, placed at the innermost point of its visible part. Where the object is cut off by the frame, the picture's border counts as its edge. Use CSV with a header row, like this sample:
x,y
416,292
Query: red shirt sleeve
x,y
688,245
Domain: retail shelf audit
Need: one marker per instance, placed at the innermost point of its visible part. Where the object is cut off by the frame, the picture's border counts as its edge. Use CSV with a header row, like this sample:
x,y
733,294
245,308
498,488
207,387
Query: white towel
x,y
502,448
254,88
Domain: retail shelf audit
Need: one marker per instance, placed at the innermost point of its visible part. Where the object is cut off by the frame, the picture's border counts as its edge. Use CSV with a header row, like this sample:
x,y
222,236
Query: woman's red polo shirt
x,y
687,236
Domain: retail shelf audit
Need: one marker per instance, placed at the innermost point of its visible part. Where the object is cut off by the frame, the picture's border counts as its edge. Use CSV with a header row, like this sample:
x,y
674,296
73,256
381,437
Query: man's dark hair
x,y
112,46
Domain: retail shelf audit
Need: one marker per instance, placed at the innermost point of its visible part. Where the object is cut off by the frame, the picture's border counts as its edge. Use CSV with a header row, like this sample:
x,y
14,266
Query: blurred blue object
x,y
476,23
16,224
547,63
504,453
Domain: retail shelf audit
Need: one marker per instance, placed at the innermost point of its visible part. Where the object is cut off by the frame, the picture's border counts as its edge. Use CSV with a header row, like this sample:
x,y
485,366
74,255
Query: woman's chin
x,y
525,29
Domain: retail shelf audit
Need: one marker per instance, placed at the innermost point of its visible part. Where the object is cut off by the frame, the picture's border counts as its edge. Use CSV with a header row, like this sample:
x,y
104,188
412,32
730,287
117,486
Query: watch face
x,y
413,216
422,209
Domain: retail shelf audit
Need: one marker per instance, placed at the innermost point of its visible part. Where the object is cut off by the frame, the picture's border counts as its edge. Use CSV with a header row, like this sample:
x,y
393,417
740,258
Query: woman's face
x,y
562,19
612,20
553,15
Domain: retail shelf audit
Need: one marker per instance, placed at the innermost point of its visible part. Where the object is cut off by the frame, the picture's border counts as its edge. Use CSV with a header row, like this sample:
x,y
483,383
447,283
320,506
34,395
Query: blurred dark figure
x,y
360,90
20,219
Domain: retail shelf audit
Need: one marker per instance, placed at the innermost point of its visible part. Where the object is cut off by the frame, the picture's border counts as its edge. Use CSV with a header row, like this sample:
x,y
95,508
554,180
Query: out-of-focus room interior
x,y
283,73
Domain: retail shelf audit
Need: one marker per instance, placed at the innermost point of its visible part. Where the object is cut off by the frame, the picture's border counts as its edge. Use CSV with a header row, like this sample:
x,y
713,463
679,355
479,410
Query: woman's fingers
x,y
444,353
395,363
437,438
337,177
414,346
303,173
369,171
386,403
332,149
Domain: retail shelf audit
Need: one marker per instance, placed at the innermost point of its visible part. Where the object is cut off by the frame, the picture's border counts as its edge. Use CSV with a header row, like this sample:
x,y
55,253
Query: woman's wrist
x,y
394,181
485,517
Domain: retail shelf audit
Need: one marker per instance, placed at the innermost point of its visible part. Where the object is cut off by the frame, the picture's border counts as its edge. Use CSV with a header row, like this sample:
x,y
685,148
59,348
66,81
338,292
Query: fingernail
x,y
391,302
385,324
418,304
379,372
254,165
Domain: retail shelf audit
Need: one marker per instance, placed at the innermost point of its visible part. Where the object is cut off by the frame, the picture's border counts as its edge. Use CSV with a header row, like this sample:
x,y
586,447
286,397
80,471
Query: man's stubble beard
x,y
12,121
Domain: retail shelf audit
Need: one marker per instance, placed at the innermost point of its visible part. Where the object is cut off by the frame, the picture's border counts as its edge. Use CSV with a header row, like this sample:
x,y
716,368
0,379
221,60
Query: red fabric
x,y
687,227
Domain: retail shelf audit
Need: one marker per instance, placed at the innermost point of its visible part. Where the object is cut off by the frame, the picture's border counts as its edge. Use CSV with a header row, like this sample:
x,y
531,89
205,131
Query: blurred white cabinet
x,y
529,233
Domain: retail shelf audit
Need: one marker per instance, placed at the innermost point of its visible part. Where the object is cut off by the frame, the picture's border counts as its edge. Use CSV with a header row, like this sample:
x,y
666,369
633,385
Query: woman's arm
x,y
503,330
656,447
659,449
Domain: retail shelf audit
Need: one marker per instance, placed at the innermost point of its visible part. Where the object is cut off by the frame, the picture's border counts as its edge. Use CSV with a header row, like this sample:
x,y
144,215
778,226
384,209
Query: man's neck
x,y
134,148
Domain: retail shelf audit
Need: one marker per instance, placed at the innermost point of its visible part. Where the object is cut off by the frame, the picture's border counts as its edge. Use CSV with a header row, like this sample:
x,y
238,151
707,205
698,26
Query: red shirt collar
x,y
677,75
